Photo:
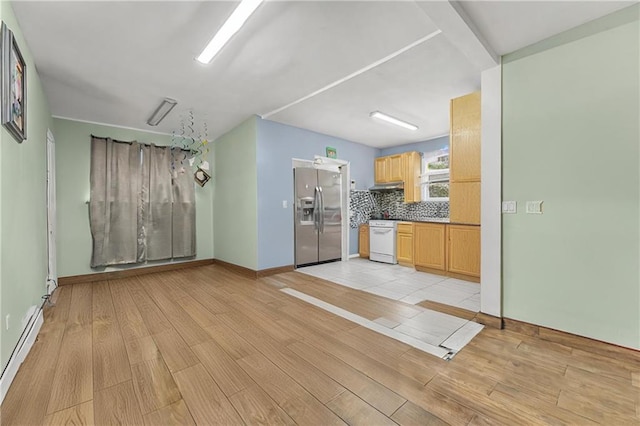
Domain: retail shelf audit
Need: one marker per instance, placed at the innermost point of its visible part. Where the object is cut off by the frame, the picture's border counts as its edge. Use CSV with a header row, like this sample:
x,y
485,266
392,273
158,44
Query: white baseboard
x,y
22,349
351,256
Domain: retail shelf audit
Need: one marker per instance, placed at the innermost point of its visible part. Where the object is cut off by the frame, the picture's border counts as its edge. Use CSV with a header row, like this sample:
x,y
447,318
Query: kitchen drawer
x,y
405,228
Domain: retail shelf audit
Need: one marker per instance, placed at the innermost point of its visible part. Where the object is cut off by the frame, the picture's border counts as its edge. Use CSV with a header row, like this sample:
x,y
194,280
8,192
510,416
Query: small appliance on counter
x,y
380,216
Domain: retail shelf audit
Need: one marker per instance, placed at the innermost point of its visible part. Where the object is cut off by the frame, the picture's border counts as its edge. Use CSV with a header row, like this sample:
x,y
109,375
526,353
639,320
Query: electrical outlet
x,y
6,321
509,207
534,207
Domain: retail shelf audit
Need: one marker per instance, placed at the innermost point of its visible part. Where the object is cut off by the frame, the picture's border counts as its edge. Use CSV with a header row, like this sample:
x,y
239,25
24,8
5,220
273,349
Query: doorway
x,y
342,167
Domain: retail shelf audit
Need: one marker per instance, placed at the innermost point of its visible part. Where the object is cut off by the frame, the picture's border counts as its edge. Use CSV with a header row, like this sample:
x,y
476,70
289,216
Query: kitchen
x,y
453,248
418,217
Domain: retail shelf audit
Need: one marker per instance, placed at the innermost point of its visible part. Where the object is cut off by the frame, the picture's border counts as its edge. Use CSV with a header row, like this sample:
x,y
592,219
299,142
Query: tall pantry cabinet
x,y
463,254
464,160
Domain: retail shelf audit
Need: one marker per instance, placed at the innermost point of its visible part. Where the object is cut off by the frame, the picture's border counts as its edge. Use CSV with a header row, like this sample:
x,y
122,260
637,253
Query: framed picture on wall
x,y
201,177
14,86
331,152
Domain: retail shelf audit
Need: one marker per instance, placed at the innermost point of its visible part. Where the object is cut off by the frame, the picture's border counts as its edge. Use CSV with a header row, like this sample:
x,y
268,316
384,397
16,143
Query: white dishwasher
x,y
382,240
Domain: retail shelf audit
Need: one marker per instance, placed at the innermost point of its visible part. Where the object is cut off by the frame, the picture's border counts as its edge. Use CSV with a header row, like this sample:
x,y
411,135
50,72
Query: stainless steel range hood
x,y
388,187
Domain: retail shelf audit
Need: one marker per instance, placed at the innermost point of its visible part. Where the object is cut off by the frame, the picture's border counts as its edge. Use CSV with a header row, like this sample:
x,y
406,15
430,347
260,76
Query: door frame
x,y
52,273
344,167
491,190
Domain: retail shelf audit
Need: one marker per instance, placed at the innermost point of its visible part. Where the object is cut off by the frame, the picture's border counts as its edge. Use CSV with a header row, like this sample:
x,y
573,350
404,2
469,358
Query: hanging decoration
x,y
190,147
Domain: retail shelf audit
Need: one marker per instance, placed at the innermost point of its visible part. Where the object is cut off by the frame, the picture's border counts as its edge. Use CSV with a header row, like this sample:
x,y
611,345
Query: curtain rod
x,y
114,140
145,144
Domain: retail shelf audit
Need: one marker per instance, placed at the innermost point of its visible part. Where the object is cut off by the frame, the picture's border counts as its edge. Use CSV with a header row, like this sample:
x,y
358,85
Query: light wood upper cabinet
x,y
429,245
464,151
463,254
464,202
394,166
404,244
403,167
412,164
363,241
388,169
380,170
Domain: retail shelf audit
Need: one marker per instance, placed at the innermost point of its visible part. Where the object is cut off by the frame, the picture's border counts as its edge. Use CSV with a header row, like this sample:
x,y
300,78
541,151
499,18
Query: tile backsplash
x,y
361,207
365,203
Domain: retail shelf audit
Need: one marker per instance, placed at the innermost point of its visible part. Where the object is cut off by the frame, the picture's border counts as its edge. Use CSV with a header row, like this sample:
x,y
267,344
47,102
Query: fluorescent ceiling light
x,y
161,112
393,120
228,29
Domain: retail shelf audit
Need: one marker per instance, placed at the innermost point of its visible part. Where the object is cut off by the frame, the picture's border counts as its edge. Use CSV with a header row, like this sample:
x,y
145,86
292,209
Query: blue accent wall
x,y
277,145
424,146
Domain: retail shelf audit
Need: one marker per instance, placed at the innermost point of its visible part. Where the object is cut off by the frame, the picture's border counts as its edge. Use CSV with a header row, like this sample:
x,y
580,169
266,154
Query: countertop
x,y
437,220
426,220
430,220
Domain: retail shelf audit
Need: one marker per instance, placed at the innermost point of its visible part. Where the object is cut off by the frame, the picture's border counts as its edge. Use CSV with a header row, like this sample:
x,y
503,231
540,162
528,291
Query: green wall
x,y
571,137
73,154
23,222
235,211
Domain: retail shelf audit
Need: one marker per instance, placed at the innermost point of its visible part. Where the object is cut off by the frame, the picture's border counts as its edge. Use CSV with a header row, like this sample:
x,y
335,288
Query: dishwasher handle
x,y
381,231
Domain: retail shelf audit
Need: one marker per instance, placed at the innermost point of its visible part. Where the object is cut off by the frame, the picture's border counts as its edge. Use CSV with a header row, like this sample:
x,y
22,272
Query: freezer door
x,y
306,199
330,235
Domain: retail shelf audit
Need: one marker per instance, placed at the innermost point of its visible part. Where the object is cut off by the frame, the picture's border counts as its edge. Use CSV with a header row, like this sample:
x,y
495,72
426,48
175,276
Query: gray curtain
x,y
184,208
113,207
158,221
138,212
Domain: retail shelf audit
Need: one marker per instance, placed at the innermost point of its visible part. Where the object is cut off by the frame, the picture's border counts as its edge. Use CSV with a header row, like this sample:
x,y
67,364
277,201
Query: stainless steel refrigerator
x,y
318,216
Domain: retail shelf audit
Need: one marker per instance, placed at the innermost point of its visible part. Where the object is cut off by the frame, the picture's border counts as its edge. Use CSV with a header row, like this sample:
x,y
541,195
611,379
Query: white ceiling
x,y
112,62
509,25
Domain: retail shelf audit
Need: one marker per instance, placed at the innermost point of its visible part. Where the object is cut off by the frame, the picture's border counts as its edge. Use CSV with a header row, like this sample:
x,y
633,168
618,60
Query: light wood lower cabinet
x,y
452,249
404,244
429,245
463,250
363,241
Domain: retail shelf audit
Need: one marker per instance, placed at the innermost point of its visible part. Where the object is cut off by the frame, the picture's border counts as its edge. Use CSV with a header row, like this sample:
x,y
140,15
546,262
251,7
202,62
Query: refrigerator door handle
x,y
316,204
321,210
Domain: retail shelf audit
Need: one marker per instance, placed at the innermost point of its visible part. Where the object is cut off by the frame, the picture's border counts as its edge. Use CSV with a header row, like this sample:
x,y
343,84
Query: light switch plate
x,y
285,204
509,207
534,207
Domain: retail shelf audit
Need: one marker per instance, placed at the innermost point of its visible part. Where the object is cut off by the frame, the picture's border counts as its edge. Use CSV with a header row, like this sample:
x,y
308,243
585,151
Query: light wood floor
x,y
207,346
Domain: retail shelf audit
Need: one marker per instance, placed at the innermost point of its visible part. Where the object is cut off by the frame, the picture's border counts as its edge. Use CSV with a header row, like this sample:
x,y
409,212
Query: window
x,y
434,179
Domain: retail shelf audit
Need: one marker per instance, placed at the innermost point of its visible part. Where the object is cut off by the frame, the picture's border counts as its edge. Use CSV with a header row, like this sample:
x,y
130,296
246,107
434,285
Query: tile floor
x,y
433,332
399,282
